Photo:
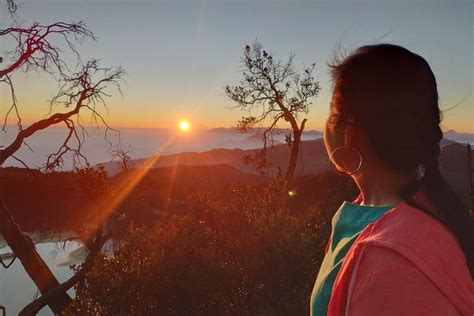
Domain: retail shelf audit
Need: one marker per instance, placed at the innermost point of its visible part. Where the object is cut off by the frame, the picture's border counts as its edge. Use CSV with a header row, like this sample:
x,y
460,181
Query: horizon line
x,y
201,128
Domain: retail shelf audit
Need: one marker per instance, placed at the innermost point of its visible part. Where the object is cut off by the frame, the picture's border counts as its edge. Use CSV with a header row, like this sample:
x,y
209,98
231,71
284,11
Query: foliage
x,y
249,254
92,181
258,160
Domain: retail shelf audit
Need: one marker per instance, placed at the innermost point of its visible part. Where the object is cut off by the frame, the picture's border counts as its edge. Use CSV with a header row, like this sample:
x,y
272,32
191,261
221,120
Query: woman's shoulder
x,y
416,245
415,234
386,282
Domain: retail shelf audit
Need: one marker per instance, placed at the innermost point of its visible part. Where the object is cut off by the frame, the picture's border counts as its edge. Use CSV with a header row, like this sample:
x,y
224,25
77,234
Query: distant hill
x,y
173,178
459,137
258,139
313,159
260,130
445,142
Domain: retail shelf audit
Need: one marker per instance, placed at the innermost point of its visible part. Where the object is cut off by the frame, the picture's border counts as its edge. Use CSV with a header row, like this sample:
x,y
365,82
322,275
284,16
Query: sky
x,y
178,55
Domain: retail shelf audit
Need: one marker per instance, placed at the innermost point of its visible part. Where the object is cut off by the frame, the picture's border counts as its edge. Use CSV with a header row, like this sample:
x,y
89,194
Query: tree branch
x,y
34,307
78,89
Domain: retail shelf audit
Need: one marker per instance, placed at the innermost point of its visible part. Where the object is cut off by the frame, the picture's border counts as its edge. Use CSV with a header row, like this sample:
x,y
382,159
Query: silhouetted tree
x,y
122,155
81,91
275,91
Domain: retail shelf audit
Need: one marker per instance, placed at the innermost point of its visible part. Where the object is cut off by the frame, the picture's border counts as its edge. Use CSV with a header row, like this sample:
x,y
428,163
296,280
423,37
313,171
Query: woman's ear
x,y
356,137
351,135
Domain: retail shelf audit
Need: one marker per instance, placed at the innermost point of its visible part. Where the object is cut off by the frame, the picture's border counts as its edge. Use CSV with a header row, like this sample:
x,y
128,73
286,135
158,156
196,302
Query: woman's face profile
x,y
342,144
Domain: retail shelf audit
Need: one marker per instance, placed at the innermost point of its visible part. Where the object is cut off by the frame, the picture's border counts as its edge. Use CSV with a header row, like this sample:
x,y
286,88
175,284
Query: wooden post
x,y
34,265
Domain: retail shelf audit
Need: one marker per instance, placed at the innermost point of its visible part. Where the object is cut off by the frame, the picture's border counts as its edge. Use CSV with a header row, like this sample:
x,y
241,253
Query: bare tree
x,y
270,91
82,90
122,155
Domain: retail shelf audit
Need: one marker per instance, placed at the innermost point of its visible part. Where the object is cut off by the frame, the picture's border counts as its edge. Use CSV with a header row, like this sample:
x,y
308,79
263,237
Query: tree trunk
x,y
34,265
295,149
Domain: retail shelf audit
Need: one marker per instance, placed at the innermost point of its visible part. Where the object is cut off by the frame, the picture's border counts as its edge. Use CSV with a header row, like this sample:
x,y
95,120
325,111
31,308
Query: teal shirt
x,y
348,222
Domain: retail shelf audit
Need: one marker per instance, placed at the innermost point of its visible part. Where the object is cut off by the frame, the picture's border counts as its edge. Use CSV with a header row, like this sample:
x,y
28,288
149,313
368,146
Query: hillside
x,y
313,159
159,189
173,179
453,163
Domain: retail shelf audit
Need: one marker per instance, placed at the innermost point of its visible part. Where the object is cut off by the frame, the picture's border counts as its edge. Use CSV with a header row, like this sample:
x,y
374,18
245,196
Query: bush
x,y
246,255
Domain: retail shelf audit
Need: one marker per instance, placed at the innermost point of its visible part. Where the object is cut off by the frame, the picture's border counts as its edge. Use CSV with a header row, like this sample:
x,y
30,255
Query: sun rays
x,y
122,187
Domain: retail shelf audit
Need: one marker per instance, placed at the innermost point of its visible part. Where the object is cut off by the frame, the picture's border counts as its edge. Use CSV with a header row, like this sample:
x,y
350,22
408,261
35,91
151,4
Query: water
x,y
17,289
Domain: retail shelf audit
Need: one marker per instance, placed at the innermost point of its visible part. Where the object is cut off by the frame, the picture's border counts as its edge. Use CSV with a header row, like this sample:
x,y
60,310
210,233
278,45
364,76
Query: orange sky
x,y
179,56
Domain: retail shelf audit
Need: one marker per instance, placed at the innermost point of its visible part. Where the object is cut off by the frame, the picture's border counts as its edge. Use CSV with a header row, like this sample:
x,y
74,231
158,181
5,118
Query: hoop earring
x,y
345,171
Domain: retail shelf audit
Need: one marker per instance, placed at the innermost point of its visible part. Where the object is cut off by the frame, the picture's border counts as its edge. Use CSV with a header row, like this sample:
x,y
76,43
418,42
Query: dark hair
x,y
392,94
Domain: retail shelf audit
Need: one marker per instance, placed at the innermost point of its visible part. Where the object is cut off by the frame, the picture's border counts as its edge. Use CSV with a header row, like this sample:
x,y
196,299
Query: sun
x,y
184,125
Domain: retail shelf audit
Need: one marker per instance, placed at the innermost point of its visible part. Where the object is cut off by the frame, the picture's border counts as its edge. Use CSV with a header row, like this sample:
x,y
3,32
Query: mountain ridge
x,y
313,158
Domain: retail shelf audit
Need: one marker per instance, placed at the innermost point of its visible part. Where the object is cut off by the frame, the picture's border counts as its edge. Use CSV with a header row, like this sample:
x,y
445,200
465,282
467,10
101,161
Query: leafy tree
x,y
272,90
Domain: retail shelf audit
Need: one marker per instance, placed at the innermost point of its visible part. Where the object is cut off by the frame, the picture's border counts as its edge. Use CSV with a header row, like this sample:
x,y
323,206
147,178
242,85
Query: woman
x,y
405,246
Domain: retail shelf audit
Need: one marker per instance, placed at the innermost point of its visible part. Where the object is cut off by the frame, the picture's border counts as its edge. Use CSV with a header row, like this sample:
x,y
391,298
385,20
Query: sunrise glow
x,y
184,125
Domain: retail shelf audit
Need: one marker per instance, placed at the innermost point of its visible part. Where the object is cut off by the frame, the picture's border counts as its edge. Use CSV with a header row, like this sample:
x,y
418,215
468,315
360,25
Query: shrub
x,y
250,254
